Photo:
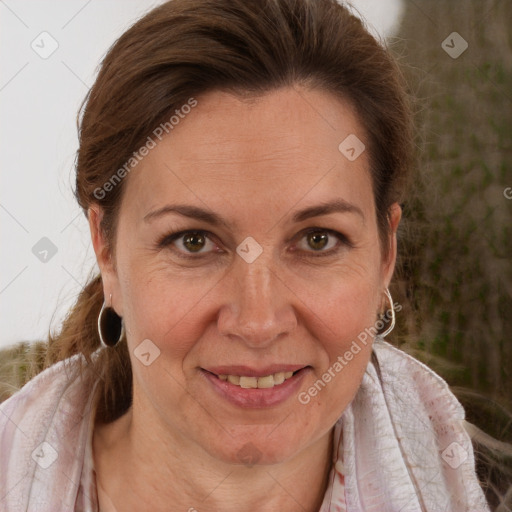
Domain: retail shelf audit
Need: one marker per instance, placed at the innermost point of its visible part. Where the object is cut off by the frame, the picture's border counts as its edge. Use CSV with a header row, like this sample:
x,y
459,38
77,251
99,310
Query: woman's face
x,y
244,290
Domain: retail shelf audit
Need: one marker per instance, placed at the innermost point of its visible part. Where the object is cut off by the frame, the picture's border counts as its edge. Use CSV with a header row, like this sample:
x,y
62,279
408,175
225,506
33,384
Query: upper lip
x,y
247,371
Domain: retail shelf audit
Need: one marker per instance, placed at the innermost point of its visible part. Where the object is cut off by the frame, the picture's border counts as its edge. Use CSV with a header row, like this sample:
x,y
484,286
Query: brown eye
x,y
323,242
194,241
188,243
317,240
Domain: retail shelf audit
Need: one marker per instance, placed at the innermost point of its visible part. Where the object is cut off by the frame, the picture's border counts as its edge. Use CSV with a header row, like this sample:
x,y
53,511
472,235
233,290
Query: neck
x,y
191,480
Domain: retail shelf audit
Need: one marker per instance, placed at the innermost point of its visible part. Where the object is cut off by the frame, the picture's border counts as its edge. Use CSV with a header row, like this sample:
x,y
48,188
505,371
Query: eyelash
x,y
168,239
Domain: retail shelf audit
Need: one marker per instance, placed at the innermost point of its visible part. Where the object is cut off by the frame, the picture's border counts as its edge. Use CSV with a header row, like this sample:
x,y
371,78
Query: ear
x,y
104,258
388,264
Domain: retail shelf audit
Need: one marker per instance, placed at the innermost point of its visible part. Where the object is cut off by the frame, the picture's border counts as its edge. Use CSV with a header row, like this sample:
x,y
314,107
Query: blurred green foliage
x,y
454,275
456,239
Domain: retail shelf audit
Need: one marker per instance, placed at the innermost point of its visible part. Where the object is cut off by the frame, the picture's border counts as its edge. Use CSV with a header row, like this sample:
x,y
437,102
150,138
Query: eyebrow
x,y
336,206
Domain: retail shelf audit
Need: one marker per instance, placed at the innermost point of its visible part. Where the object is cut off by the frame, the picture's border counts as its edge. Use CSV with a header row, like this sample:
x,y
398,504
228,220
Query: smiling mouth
x,y
264,382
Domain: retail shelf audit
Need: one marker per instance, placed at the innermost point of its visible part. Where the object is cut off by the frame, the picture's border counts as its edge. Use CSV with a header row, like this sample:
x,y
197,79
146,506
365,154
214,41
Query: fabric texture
x,y
400,445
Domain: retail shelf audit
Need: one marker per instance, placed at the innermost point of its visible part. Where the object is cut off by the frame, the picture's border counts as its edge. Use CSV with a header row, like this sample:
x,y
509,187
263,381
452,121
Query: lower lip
x,y
257,398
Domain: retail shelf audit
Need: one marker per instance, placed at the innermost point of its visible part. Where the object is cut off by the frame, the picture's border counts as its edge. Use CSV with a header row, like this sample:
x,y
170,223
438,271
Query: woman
x,y
241,165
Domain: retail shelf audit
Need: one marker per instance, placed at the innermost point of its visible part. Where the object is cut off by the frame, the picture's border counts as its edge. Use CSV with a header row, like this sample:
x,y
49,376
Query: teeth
x,y
268,381
234,379
279,377
248,382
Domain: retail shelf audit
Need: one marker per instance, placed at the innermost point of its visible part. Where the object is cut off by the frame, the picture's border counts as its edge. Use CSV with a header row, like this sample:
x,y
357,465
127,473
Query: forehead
x,y
282,146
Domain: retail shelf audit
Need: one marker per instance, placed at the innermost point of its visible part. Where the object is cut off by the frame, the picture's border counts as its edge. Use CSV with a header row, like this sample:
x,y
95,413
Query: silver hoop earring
x,y
392,326
110,326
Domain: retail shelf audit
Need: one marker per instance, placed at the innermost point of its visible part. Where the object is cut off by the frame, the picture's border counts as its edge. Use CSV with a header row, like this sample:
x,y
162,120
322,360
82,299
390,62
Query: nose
x,y
259,308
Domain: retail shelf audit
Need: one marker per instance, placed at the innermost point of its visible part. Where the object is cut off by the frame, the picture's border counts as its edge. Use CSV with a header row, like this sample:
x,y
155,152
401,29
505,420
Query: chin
x,y
255,449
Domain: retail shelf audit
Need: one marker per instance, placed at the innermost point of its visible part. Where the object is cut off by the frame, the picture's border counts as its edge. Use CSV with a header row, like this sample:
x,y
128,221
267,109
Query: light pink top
x,y
401,444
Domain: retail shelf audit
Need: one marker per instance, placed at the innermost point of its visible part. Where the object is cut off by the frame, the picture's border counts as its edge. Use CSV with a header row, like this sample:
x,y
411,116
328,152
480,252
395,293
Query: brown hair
x,y
185,48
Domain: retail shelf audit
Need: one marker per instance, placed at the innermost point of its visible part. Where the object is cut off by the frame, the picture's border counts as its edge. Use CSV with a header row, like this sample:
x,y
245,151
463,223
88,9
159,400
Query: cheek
x,y
344,300
161,303
347,325
343,321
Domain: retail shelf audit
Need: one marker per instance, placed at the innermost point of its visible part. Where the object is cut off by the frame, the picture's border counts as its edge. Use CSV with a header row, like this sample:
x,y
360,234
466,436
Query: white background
x,y
39,101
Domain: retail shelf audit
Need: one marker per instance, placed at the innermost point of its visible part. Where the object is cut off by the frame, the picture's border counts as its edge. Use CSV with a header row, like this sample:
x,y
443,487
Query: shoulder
x,y
38,399
413,381
42,431
410,425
